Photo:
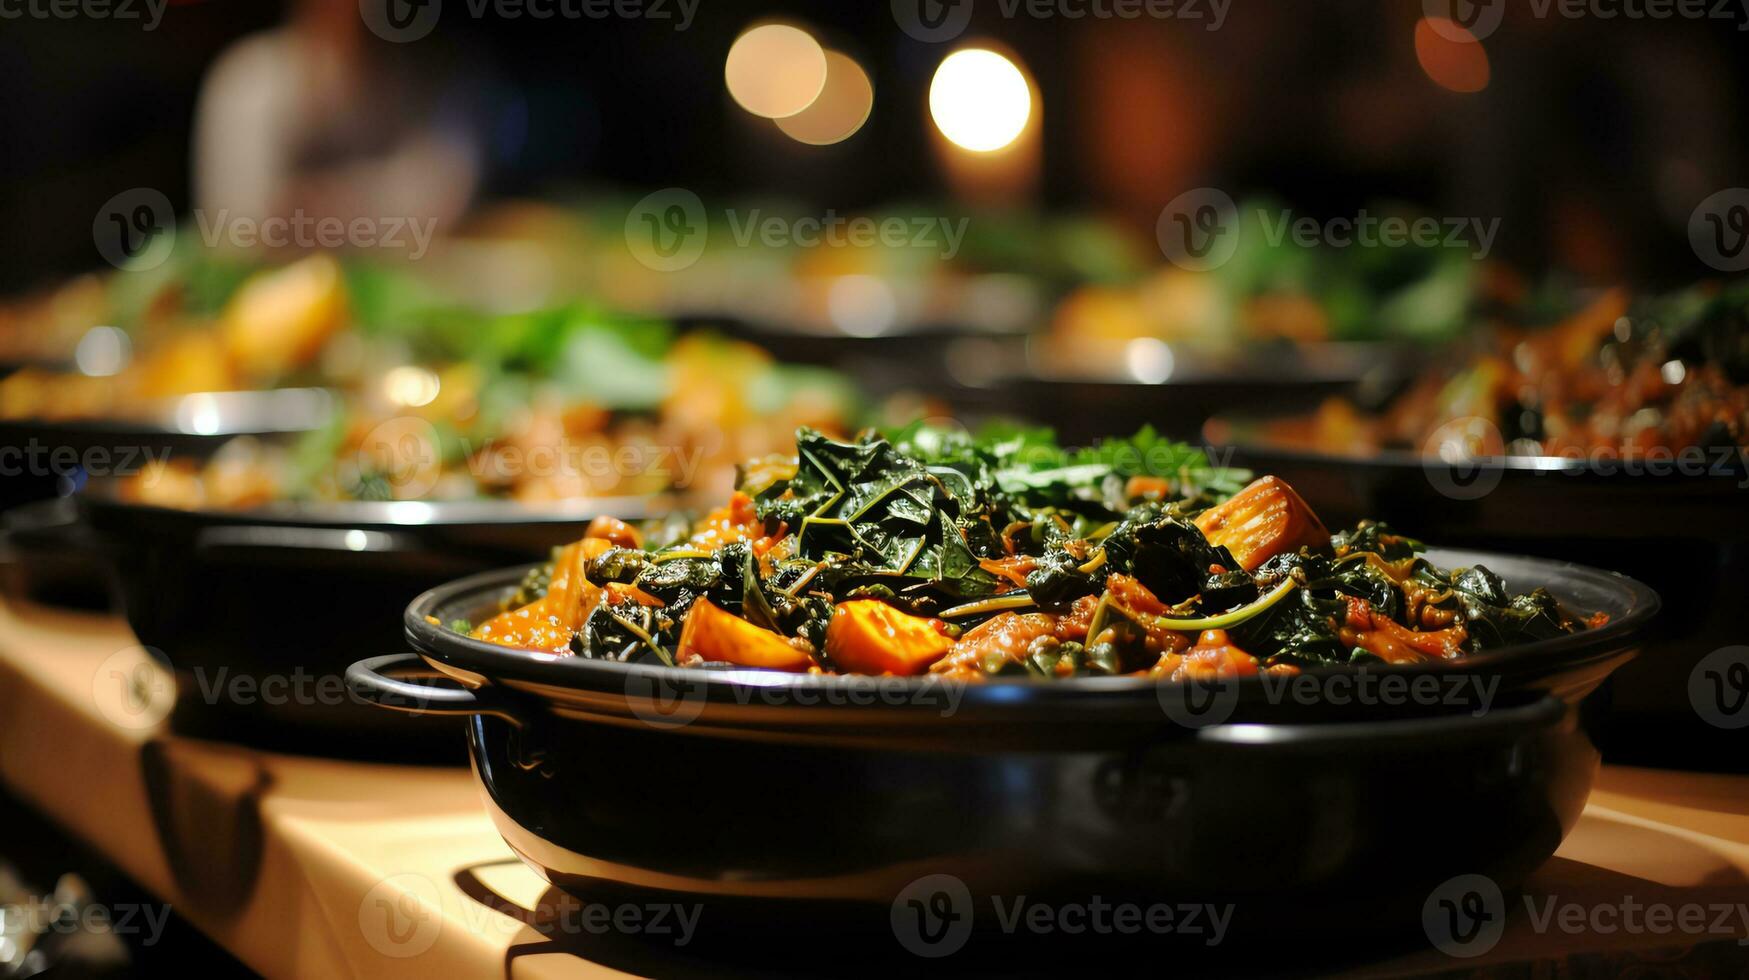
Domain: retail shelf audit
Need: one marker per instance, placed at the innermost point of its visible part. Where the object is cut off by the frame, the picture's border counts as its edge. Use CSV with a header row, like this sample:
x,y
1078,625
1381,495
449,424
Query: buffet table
x,y
308,867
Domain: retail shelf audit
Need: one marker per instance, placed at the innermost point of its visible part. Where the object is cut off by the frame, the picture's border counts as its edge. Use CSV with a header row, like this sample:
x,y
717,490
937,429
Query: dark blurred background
x,y
1592,139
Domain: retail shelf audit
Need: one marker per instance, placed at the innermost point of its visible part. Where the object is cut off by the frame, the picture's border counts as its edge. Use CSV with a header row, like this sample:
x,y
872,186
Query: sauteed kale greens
x,y
931,551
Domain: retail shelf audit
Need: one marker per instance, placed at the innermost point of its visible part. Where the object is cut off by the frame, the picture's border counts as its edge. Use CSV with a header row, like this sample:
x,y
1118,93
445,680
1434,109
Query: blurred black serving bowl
x,y
296,592
46,554
51,457
1684,532
749,789
1174,386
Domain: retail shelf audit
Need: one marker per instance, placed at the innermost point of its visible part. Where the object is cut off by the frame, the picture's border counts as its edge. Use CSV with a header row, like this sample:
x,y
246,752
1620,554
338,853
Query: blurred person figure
x,y
322,119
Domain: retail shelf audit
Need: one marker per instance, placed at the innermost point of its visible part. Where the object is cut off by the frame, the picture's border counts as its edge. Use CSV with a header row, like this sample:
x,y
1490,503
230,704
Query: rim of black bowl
x,y
1239,434
557,674
203,415
400,514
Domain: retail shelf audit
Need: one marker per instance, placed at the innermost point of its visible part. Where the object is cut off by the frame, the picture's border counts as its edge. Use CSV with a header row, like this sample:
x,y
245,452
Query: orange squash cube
x,y
715,634
867,636
1261,521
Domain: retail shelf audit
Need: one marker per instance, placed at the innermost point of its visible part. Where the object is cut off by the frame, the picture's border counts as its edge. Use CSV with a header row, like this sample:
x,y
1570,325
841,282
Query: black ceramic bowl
x,y
746,786
1685,532
59,456
1176,387
292,594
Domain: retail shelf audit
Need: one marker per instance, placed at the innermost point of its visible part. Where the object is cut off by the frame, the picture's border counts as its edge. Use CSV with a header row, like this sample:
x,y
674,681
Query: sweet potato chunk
x,y
867,636
614,530
548,622
279,320
714,634
1002,639
1263,520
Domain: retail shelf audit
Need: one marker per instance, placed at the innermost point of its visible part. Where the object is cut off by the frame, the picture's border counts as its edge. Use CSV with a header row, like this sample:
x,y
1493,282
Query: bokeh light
x,y
1448,59
841,109
980,100
862,305
775,70
410,386
103,352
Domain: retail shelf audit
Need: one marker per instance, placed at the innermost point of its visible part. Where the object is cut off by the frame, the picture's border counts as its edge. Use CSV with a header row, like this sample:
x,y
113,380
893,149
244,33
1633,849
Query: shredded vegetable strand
x,y
1013,600
1225,620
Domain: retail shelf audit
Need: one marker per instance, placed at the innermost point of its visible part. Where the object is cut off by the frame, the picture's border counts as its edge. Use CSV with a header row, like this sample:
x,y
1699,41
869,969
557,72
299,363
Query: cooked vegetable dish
x,y
932,551
1665,374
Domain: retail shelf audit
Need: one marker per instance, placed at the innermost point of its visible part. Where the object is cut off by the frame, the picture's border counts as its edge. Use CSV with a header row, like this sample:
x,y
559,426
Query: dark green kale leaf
x,y
629,632
1496,618
679,582
878,512
622,565
1028,468
950,564
1377,538
1057,580
1167,554
1300,630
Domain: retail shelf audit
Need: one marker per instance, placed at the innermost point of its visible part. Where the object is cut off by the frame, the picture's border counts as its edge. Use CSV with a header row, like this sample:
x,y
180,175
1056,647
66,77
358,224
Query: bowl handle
x,y
370,682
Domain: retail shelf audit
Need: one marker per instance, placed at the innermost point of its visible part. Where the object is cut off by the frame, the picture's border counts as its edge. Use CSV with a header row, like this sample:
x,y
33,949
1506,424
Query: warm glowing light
x,y
199,414
1150,360
841,109
980,100
103,352
862,306
775,70
1451,55
411,386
